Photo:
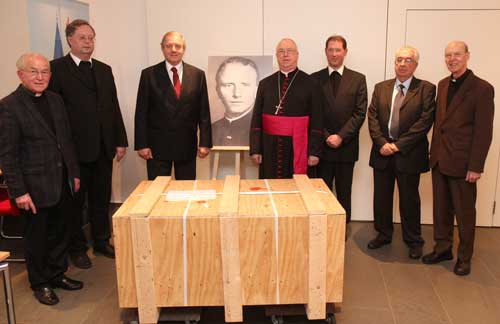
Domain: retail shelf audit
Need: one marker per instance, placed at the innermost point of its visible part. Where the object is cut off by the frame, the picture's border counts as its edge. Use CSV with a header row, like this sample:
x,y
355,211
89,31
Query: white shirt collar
x,y
77,60
406,84
340,70
170,66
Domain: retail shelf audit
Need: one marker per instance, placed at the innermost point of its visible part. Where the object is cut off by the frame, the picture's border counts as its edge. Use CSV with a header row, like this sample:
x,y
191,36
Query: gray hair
x,y
170,33
412,50
22,61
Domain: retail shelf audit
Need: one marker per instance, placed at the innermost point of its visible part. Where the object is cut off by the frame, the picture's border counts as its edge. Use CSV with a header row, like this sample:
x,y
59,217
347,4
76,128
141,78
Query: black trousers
x,y
453,196
341,173
184,170
95,190
409,203
46,239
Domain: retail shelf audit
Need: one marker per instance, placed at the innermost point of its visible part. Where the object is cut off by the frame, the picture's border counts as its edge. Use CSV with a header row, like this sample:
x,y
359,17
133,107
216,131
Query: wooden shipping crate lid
x,y
257,198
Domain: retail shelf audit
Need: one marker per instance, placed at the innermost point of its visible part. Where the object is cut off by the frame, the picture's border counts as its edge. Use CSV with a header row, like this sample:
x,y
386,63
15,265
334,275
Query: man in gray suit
x,y
40,168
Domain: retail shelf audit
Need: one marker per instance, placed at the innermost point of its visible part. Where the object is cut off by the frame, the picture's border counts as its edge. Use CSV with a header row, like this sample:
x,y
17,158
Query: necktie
x,y
396,106
177,82
336,78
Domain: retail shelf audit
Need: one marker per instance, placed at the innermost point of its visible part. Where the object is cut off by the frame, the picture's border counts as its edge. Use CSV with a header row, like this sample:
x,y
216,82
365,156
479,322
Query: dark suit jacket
x,y
168,125
415,120
463,131
91,124
343,114
31,155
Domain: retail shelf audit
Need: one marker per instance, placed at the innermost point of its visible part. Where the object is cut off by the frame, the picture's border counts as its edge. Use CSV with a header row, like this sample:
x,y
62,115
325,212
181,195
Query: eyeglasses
x,y
283,51
34,73
408,60
173,46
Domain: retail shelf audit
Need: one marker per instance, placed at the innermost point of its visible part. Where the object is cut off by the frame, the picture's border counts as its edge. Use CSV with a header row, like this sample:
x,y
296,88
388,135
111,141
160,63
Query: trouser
x,y
341,173
184,170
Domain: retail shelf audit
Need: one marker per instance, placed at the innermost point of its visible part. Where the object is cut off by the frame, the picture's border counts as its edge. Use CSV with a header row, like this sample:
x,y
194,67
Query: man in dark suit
x,y
344,112
460,142
88,89
172,104
40,168
400,115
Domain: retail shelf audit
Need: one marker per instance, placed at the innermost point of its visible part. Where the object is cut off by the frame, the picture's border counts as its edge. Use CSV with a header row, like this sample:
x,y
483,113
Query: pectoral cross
x,y
278,108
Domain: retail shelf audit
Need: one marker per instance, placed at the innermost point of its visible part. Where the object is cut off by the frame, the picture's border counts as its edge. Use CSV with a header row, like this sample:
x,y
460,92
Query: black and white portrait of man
x,y
233,89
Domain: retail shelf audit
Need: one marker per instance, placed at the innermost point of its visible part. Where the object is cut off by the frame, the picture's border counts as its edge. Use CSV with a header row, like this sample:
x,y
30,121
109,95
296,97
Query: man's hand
x,y
334,141
394,148
120,153
257,158
145,153
77,184
387,149
203,152
472,176
312,160
24,202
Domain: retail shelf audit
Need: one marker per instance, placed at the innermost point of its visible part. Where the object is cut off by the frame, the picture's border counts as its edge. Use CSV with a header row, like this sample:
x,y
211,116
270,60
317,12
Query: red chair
x,y
7,209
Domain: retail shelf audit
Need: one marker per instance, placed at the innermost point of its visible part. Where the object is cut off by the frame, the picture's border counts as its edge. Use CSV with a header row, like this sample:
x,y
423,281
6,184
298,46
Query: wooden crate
x,y
259,242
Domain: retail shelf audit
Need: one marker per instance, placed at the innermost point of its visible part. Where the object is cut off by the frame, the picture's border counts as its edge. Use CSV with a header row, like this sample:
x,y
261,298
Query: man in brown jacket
x,y
462,135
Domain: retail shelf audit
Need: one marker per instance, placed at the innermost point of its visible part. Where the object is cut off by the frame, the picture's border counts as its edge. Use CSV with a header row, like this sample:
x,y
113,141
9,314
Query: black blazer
x,y
31,155
415,120
167,125
91,122
344,114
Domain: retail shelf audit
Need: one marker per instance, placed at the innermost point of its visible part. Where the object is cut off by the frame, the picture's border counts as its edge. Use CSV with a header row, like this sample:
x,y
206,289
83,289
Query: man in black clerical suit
x,y
172,104
344,112
400,115
286,134
40,168
88,89
236,84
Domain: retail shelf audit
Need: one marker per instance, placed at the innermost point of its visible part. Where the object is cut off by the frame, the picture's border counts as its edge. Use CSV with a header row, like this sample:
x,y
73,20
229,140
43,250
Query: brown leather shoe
x,y
433,257
378,242
45,295
462,268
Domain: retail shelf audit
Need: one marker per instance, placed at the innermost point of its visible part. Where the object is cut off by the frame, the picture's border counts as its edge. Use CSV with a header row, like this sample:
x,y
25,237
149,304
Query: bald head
x,y
287,55
456,56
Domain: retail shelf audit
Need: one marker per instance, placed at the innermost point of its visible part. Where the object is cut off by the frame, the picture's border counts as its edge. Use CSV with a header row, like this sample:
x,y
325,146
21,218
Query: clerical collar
x,y
77,60
288,74
30,93
230,120
461,78
340,70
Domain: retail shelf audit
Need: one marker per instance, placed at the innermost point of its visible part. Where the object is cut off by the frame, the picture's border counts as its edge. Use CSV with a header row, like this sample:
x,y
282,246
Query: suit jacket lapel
x,y
187,76
166,87
459,96
442,99
345,82
98,73
73,68
26,100
388,91
412,91
326,85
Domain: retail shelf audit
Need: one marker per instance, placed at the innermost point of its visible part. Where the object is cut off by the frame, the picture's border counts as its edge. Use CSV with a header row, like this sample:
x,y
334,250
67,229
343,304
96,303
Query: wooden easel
x,y
239,154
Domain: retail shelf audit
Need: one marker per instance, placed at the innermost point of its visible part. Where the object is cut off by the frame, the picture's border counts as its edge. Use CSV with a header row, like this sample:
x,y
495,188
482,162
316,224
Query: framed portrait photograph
x,y
232,87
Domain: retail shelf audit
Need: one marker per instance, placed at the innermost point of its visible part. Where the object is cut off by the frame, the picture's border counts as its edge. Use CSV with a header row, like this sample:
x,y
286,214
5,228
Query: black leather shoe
x,y
66,283
433,258
81,260
415,252
45,295
462,268
377,242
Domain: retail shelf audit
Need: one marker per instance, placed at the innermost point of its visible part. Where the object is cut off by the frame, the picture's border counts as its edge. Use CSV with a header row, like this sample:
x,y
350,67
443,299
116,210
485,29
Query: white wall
x,y
129,33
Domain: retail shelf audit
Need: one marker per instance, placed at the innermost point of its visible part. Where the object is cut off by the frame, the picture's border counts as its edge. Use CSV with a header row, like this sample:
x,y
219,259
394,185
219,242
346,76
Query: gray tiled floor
x,y
381,287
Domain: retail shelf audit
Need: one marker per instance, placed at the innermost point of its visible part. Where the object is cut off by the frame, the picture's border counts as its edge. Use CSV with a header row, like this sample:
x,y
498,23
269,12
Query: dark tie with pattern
x,y
335,77
177,82
398,101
